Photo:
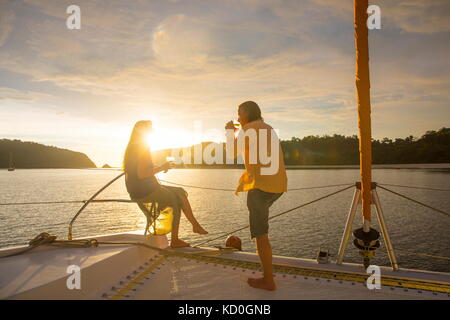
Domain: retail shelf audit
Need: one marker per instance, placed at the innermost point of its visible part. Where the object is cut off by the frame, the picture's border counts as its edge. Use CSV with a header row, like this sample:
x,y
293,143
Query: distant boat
x,y
11,163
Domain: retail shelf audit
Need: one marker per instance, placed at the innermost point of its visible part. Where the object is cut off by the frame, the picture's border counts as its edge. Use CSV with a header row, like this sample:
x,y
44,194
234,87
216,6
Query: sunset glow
x,y
165,138
176,62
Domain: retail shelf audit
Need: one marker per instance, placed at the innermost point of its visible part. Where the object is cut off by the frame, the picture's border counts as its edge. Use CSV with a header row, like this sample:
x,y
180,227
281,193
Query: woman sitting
x,y
143,186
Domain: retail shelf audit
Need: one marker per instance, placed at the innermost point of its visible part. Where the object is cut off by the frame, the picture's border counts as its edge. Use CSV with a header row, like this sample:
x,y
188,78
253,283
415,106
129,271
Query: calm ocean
x,y
299,233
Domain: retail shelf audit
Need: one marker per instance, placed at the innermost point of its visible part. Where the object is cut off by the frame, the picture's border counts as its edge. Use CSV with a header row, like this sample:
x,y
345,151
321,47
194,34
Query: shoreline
x,y
419,166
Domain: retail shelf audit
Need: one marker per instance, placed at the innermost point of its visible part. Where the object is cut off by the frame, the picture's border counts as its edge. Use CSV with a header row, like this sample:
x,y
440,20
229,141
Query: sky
x,y
184,62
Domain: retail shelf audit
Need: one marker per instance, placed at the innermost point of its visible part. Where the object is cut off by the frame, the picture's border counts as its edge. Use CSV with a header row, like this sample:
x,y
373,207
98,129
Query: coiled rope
x,y
46,238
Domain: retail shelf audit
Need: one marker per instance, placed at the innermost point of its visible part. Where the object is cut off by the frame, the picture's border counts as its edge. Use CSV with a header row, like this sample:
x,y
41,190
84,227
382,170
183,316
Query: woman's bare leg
x,y
175,227
176,242
186,206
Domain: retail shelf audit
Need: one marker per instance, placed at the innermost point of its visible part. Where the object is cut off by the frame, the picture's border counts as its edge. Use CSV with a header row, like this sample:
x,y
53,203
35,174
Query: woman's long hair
x,y
137,143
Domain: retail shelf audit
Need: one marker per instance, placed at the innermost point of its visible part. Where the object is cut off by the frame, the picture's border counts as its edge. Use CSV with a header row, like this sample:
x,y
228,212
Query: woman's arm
x,y
145,166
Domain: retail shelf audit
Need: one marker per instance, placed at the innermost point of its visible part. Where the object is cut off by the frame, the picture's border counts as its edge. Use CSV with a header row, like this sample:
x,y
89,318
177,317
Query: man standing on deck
x,y
263,184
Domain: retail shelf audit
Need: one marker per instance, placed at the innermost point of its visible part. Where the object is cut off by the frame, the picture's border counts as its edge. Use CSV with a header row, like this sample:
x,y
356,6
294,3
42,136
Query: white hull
x,y
137,272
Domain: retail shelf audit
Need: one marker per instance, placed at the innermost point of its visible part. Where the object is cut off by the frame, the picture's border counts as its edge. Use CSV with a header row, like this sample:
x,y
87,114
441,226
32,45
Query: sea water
x,y
299,233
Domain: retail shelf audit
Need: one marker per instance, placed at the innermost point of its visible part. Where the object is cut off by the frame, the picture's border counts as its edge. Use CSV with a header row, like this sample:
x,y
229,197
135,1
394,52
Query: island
x,y
433,147
27,155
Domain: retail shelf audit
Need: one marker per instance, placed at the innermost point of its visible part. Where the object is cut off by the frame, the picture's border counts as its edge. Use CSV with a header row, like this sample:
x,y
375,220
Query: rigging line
x,y
196,187
174,183
43,202
277,215
415,201
130,201
198,236
219,189
319,187
413,187
60,202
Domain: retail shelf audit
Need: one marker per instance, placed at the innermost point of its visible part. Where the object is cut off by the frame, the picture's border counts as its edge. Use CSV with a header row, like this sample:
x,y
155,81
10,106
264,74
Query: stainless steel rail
x,y
69,236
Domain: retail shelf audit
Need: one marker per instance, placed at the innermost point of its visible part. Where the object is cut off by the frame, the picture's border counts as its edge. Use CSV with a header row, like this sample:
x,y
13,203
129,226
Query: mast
x,y
366,238
363,97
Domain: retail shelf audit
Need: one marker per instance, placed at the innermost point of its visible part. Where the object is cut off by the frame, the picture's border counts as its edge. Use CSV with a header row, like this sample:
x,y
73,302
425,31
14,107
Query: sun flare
x,y
165,138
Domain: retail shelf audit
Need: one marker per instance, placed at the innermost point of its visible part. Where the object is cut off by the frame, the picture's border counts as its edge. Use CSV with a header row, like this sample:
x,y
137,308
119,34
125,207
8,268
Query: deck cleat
x,y
323,256
367,243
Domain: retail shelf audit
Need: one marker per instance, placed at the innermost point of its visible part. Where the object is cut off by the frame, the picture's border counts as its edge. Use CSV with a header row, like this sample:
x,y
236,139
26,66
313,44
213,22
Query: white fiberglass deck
x,y
136,272
181,278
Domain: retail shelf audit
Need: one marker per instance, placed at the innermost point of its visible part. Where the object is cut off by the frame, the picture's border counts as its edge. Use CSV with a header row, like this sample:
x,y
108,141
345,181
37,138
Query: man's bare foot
x,y
178,243
198,229
262,283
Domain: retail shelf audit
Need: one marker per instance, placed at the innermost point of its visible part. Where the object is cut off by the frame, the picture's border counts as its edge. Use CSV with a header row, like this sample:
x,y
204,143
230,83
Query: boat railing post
x,y
384,231
69,236
349,223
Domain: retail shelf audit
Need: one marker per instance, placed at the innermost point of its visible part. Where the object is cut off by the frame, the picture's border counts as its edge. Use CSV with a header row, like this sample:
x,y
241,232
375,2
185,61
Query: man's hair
x,y
252,109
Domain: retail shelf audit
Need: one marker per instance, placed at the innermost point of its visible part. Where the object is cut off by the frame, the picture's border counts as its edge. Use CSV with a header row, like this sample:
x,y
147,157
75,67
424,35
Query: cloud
x,y
184,62
181,42
296,58
7,18
418,16
10,94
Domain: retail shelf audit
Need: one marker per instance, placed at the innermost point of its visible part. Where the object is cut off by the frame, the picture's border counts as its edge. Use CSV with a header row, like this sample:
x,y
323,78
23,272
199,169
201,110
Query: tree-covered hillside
x,y
35,155
432,147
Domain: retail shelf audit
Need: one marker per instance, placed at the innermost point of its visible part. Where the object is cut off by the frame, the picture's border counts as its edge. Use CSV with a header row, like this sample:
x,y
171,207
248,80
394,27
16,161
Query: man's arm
x,y
231,141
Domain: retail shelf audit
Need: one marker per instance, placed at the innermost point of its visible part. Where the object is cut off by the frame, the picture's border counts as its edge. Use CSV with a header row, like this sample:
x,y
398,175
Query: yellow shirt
x,y
252,178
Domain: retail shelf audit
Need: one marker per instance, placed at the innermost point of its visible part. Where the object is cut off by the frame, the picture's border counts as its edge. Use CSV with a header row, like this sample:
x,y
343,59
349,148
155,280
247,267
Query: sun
x,y
167,138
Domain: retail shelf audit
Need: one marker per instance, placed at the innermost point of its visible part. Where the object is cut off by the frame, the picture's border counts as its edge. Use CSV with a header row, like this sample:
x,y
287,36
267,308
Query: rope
x,y
279,214
196,187
43,202
130,201
46,238
320,187
74,201
220,189
413,187
415,201
207,188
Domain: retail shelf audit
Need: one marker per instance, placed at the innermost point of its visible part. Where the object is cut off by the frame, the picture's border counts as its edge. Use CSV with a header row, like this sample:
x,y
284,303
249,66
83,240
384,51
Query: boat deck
x,y
180,278
116,271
